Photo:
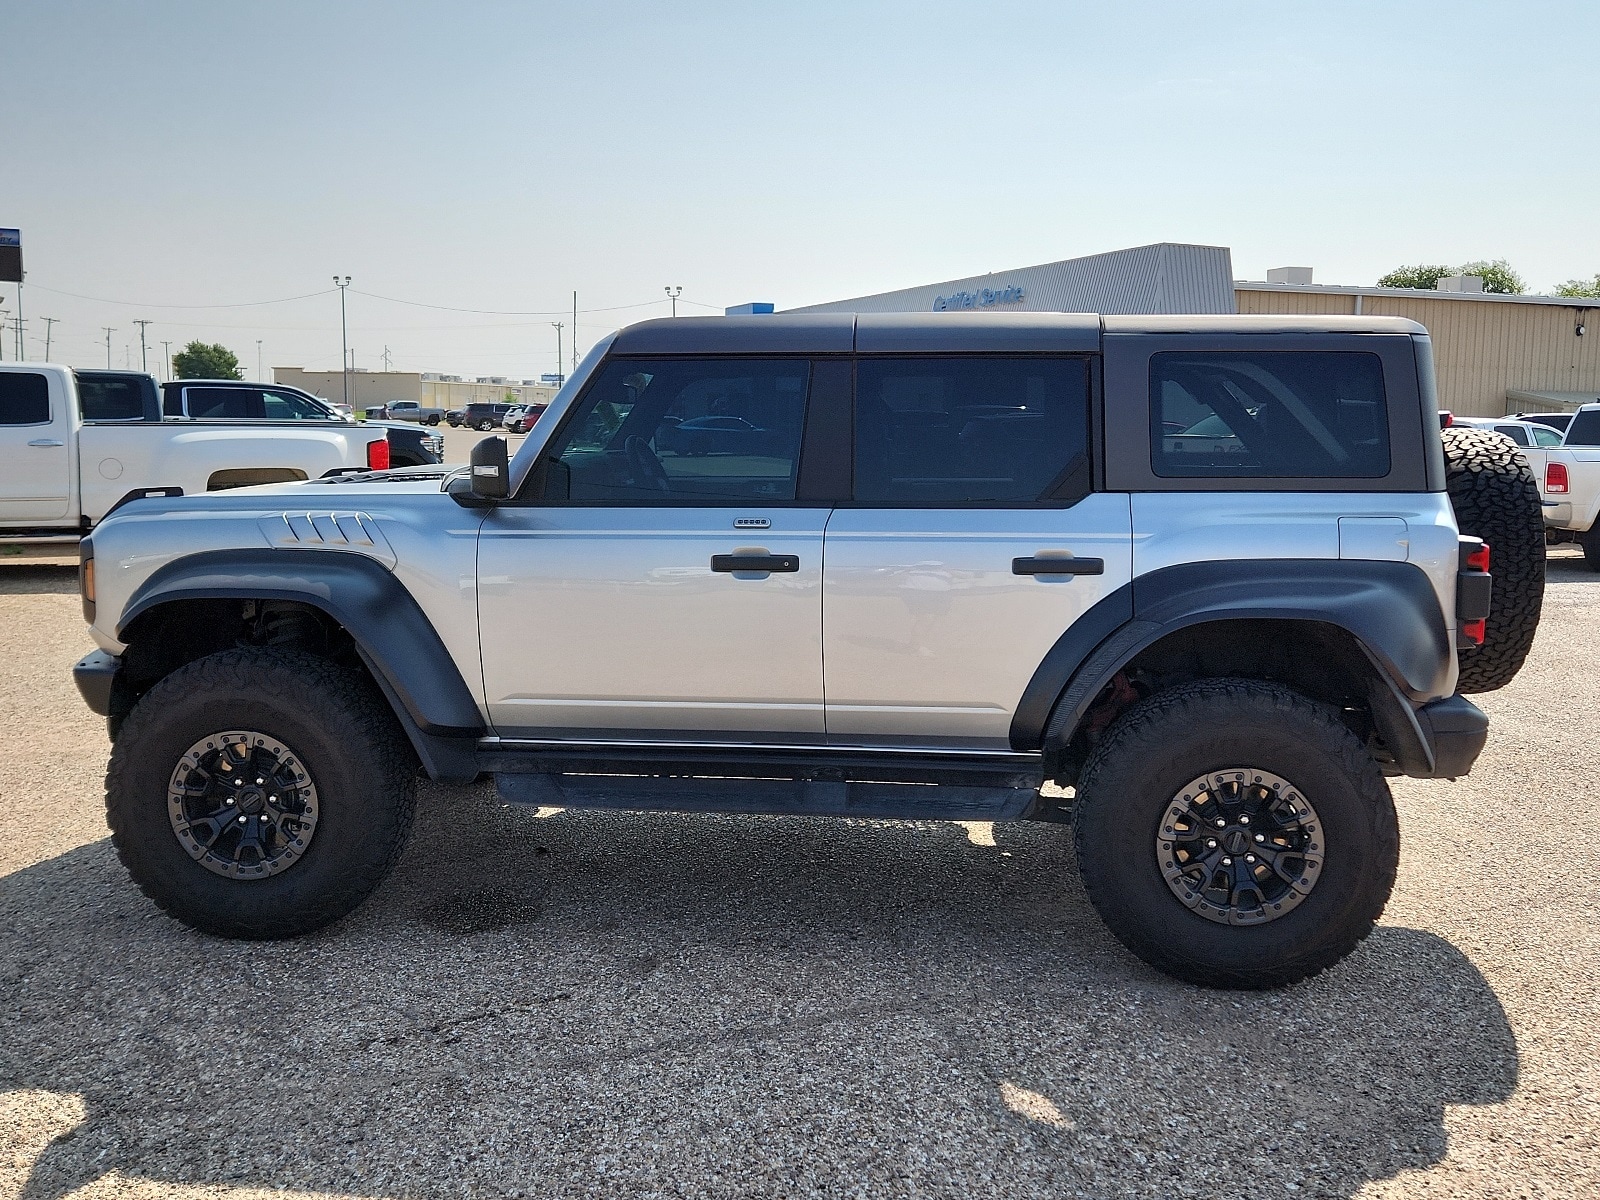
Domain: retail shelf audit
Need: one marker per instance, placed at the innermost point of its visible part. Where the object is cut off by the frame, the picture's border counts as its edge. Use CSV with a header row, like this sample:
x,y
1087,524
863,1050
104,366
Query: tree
x,y
1580,288
198,360
1497,277
1421,278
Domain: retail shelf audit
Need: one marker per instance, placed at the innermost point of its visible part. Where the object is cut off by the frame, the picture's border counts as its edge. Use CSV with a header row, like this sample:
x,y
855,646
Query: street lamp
x,y
259,379
673,293
344,337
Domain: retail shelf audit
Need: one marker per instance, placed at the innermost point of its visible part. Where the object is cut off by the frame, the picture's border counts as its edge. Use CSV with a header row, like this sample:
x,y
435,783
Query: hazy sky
x,y
170,156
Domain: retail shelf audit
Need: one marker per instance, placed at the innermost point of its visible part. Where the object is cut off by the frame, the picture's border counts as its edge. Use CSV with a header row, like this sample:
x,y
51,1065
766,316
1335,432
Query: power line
x,y
496,312
145,304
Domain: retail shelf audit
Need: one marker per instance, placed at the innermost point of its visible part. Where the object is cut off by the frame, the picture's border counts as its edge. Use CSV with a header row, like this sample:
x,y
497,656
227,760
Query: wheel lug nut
x,y
1221,824
1249,858
1242,820
1261,837
1211,843
1227,862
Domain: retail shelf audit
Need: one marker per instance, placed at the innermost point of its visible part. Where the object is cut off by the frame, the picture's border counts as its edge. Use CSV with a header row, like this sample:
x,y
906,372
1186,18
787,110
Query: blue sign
x,y
10,237
982,298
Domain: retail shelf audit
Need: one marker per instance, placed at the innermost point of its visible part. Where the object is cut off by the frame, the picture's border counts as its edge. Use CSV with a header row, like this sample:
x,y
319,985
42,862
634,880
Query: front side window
x,y
686,430
285,406
972,429
1543,435
24,398
1270,414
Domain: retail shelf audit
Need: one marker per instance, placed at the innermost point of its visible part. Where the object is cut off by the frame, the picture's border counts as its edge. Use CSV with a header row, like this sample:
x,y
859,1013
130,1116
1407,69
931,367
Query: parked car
x,y
240,400
1523,433
454,416
485,417
77,444
1569,484
1558,421
405,410
906,610
522,418
698,436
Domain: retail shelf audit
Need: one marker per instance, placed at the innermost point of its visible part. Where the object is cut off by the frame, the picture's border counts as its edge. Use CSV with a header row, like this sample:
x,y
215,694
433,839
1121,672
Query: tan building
x,y
1493,354
371,388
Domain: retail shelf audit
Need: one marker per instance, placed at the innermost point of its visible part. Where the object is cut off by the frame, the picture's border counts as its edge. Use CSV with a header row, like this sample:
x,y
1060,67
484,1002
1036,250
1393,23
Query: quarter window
x,y
24,398
973,429
685,430
1274,414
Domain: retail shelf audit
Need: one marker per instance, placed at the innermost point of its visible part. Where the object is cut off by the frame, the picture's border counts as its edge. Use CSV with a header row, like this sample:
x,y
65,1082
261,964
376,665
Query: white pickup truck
x,y
1569,484
75,444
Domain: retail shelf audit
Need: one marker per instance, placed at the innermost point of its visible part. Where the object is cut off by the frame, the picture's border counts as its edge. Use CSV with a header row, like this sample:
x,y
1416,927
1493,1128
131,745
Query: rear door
x,y
972,542
36,447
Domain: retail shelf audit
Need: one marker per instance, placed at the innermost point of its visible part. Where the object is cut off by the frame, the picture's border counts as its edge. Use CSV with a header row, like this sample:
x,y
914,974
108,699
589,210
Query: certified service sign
x,y
982,298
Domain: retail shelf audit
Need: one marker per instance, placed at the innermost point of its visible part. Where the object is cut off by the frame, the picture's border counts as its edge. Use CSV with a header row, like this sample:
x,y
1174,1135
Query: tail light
x,y
1555,478
1473,631
1478,559
1474,588
378,455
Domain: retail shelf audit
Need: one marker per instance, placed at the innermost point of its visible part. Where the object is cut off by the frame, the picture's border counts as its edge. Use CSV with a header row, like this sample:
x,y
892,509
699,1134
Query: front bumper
x,y
1455,730
96,676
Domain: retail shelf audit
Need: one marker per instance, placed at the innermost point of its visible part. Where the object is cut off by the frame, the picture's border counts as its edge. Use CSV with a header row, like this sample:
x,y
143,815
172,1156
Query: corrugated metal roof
x,y
1166,277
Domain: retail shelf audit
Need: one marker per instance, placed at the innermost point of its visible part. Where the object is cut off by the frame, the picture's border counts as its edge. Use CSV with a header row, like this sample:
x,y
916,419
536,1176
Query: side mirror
x,y
491,469
489,478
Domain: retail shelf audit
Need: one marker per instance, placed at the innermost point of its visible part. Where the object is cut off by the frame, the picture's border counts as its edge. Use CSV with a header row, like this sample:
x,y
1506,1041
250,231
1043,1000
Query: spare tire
x,y
1495,498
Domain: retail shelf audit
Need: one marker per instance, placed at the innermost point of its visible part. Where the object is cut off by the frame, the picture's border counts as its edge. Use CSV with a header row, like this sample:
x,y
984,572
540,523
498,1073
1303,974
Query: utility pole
x,y
344,336
574,331
2,333
144,358
557,326
259,379
386,359
167,350
49,322
109,331
21,353
673,293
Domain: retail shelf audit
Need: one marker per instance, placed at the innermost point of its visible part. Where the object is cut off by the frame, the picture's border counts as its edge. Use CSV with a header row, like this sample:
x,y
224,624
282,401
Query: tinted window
x,y
24,398
1276,414
223,403
1516,433
972,429
667,430
109,399
285,406
1543,435
1585,428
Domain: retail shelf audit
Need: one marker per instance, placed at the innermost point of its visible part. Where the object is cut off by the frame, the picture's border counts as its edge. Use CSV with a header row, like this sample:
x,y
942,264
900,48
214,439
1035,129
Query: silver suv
x,y
1203,574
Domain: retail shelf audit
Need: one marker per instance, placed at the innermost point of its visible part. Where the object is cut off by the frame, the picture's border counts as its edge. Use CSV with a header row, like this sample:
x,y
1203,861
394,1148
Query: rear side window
x,y
224,404
1270,414
1584,429
106,399
972,429
24,398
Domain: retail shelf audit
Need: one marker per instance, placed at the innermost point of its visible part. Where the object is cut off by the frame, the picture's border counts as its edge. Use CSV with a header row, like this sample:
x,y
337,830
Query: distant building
x,y
368,389
1493,354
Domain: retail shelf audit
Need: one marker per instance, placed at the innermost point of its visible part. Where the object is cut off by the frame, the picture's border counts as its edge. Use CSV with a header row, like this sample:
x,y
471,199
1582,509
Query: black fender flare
x,y
1389,608
393,635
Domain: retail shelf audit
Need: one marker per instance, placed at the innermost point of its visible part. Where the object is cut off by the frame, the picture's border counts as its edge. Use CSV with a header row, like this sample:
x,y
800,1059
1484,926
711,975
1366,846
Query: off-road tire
x,y
1496,498
1157,747
343,733
1589,541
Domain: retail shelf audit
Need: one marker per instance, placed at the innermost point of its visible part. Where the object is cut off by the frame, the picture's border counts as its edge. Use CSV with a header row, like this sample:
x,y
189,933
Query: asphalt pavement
x,y
547,1003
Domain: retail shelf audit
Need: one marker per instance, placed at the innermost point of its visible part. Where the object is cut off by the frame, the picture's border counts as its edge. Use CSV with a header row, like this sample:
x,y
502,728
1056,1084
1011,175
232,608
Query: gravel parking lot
x,y
565,1003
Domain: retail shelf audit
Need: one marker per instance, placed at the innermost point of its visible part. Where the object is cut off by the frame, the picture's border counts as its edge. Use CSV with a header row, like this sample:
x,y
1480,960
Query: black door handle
x,y
755,562
1058,566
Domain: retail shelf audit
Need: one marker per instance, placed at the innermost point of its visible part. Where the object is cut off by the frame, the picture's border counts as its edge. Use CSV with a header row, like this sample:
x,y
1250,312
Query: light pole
x,y
166,348
144,359
2,333
109,331
558,327
344,337
673,293
48,323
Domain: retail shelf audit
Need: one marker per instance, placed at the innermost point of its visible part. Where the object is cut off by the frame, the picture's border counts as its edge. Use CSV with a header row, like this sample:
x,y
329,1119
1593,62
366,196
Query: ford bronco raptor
x,y
1203,573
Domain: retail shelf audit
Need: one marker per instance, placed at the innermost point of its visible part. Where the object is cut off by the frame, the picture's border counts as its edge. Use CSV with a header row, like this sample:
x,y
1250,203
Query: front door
x,y
666,586
36,447
973,542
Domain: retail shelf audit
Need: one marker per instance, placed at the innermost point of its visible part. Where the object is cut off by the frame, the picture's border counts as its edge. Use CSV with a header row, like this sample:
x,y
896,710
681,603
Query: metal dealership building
x,y
1494,354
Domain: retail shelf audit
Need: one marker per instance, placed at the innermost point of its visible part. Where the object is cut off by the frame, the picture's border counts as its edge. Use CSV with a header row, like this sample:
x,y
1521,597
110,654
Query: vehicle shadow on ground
x,y
20,578
632,1003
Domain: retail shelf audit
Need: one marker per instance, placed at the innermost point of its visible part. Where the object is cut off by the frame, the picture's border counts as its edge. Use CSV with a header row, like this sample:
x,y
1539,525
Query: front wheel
x,y
260,794
1235,834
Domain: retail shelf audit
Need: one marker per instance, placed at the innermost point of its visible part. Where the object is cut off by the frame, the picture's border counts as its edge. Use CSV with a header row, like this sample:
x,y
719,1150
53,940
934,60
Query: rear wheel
x,y
484,426
1496,498
260,794
1235,834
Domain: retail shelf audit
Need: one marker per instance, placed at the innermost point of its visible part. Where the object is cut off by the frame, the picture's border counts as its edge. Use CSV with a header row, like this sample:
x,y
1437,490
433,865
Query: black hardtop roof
x,y
953,332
